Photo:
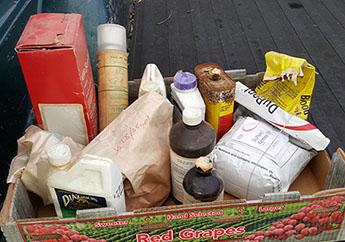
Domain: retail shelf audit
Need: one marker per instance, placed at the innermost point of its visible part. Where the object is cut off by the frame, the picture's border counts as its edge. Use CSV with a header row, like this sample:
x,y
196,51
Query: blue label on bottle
x,y
70,202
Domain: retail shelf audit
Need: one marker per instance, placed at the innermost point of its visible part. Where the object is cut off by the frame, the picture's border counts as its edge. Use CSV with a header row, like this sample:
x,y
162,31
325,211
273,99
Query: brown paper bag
x,y
137,140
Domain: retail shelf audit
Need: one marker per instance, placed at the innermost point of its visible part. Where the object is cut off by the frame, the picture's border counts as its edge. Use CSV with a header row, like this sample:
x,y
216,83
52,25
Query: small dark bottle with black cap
x,y
202,184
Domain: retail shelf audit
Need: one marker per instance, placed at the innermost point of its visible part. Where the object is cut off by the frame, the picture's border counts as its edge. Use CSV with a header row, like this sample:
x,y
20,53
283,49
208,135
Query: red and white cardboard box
x,y
53,55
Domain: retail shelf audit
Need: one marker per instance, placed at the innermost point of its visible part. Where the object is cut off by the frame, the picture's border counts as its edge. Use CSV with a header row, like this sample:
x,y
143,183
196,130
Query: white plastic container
x,y
185,93
92,182
152,81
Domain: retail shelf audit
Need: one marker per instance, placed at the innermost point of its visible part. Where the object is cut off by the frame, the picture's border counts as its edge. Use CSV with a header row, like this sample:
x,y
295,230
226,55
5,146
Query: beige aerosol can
x,y
112,72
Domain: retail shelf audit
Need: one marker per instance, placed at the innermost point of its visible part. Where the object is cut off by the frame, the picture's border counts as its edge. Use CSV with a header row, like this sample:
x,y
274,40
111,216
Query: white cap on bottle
x,y
111,37
191,116
59,155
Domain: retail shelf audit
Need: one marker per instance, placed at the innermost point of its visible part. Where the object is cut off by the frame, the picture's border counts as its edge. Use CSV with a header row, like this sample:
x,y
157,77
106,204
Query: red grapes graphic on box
x,y
310,220
55,233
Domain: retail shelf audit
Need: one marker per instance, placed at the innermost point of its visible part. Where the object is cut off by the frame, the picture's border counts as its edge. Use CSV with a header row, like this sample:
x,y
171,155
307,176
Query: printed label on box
x,y
309,219
65,119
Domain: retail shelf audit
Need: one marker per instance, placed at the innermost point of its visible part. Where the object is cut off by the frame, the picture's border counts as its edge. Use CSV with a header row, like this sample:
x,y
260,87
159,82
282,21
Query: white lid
x,y
191,116
59,155
111,37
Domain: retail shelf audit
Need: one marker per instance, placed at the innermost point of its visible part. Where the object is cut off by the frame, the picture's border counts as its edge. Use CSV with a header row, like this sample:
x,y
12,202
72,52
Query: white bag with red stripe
x,y
257,157
298,128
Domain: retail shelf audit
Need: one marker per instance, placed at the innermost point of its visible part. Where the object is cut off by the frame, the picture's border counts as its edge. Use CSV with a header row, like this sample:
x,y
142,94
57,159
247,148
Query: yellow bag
x,y
289,82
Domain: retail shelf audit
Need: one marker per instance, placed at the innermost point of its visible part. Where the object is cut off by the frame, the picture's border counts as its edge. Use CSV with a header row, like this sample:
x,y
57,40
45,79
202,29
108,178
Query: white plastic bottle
x,y
92,182
185,93
152,81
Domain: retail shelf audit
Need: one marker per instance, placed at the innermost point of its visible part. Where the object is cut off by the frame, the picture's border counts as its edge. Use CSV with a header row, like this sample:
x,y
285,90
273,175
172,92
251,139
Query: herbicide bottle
x,y
218,91
189,139
90,182
152,81
202,184
185,93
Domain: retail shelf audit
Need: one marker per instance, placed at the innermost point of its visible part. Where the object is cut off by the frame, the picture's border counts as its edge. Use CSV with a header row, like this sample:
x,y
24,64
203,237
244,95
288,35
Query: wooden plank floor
x,y
178,34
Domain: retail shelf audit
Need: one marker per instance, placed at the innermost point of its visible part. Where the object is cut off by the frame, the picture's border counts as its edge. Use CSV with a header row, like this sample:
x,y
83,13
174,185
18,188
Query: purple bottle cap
x,y
184,80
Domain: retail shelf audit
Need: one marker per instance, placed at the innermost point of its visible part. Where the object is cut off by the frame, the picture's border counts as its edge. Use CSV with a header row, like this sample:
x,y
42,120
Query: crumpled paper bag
x,y
31,164
137,140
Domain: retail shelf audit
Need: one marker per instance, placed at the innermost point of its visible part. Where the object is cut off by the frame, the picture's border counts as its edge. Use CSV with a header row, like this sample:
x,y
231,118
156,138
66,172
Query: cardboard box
x,y
53,55
24,218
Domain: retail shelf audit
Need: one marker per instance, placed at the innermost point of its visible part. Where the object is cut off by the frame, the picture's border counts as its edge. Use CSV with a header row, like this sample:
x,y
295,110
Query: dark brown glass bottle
x,y
202,184
189,139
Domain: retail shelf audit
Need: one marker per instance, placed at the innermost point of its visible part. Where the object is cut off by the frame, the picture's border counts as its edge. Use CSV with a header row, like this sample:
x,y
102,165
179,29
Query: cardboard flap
x,y
49,31
341,153
281,196
312,178
336,174
5,214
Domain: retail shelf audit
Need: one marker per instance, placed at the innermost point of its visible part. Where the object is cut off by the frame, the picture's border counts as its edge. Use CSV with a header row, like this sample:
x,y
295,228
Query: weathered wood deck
x,y
178,34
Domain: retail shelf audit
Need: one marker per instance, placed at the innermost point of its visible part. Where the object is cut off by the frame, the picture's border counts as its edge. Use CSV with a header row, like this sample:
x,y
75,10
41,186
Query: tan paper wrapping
x,y
31,163
112,85
138,141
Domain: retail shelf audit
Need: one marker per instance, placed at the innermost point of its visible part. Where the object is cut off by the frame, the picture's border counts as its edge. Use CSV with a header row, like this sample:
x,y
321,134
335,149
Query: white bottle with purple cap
x,y
185,93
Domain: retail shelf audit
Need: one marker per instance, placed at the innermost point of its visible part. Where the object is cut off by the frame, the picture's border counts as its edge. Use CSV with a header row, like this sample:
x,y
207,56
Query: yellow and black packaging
x,y
288,82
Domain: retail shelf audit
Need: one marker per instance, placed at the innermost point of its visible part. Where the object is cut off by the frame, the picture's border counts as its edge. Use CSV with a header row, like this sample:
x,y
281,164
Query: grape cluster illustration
x,y
310,220
67,234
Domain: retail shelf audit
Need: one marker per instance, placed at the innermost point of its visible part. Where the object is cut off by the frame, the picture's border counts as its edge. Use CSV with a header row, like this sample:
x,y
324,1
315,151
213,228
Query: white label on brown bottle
x,y
179,168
